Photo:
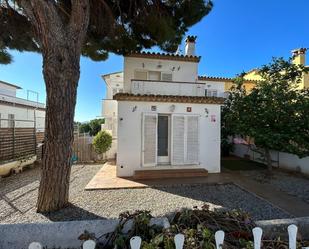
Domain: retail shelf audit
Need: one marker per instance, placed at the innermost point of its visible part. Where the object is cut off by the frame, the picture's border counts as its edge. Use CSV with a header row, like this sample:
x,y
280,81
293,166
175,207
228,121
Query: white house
x,y
162,115
19,112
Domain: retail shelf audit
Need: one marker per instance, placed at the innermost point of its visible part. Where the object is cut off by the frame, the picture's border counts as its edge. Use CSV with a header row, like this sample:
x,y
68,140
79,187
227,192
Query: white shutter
x,y
185,139
150,122
178,138
167,77
192,154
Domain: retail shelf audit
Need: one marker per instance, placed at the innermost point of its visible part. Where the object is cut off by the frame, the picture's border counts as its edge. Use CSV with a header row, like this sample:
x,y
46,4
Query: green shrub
x,y
102,142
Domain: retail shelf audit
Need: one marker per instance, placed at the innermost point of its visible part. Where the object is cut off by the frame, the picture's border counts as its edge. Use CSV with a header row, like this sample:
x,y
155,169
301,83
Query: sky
x,y
236,36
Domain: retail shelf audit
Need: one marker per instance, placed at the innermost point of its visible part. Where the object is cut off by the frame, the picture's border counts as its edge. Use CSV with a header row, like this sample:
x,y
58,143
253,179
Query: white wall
x,y
7,90
281,159
22,113
188,71
129,149
214,85
167,88
109,108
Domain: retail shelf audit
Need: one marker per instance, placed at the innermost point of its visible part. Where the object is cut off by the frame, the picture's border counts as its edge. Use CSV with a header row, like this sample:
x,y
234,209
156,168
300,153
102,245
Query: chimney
x,y
299,56
190,46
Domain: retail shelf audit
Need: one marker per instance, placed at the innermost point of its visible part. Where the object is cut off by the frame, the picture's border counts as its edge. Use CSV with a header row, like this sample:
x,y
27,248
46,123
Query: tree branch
x,y
79,21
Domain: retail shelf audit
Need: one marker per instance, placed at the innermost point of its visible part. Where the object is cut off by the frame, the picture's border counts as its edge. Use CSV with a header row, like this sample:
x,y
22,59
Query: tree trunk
x,y
61,75
268,160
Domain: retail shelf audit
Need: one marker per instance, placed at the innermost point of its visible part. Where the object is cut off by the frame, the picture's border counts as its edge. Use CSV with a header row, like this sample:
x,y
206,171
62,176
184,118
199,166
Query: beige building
x,y
299,58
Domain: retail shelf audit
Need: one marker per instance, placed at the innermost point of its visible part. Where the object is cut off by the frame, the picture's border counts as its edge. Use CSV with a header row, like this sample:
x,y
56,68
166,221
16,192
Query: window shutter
x,y
150,122
140,75
192,140
185,139
178,138
167,77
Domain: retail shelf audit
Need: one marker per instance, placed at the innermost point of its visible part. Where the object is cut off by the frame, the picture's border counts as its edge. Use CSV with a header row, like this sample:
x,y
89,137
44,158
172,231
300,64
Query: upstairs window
x,y
11,118
140,75
154,75
211,93
167,77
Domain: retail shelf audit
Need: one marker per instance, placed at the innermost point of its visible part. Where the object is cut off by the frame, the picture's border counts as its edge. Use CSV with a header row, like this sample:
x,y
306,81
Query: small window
x,y
211,93
140,75
11,118
167,77
154,75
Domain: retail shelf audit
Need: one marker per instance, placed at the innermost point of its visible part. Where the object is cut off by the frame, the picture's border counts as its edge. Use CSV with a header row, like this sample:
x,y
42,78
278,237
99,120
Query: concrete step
x,y
169,173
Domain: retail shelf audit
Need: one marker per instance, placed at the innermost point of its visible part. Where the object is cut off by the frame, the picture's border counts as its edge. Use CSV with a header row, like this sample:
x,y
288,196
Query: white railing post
x,y
35,245
179,240
89,244
219,237
292,231
135,242
257,235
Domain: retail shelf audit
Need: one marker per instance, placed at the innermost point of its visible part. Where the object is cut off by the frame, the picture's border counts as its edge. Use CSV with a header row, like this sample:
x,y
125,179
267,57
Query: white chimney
x,y
299,56
190,46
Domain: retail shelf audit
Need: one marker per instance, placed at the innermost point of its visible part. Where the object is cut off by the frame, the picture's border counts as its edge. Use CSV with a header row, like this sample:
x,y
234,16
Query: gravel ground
x,y
18,196
290,183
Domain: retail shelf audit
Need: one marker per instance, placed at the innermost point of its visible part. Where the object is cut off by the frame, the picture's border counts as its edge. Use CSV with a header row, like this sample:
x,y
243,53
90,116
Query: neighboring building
x,y
162,115
19,112
299,58
227,82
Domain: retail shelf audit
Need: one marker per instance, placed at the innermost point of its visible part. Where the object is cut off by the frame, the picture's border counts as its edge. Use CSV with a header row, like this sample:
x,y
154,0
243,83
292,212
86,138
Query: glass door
x,y
163,139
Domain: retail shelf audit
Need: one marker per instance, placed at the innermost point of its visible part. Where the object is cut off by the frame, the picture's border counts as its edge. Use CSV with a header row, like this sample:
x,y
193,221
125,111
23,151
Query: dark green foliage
x,y
275,114
115,26
92,127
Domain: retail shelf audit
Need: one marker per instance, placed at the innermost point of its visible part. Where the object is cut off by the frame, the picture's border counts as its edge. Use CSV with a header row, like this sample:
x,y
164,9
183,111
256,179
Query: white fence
x,y
280,159
179,239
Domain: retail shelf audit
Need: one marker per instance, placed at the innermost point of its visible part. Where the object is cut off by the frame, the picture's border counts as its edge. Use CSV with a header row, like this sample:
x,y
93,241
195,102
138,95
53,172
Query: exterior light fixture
x,y
172,108
134,108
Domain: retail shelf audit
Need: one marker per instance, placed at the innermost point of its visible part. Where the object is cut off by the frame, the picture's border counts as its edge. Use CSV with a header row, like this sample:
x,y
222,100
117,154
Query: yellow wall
x,y
253,75
248,86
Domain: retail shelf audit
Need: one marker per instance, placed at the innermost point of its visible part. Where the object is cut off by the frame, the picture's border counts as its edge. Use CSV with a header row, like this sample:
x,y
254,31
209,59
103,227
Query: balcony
x,y
167,88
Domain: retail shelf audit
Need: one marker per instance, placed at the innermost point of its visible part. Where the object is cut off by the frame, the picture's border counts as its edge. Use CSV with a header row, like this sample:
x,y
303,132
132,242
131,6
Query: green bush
x,y
102,142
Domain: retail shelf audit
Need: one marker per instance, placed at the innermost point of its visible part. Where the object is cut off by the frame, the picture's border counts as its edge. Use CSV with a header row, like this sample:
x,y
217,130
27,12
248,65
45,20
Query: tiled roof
x,y
168,98
213,78
164,56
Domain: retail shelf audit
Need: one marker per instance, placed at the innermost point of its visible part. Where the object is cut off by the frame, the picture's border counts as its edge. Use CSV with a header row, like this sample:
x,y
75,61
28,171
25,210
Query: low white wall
x,y
280,159
61,234
129,150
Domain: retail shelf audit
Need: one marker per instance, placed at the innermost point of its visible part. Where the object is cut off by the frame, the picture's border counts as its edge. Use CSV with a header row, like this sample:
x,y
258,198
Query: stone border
x,y
278,227
59,234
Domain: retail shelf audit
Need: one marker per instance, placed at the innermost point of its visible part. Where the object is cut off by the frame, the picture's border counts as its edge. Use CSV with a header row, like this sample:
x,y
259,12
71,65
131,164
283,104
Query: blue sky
x,y
236,36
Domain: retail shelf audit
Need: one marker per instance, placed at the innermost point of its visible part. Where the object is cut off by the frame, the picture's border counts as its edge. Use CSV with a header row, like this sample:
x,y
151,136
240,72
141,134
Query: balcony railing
x,y
167,88
16,100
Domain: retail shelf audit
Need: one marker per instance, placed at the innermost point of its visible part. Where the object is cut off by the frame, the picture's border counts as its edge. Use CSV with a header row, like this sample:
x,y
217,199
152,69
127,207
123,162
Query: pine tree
x,y
64,30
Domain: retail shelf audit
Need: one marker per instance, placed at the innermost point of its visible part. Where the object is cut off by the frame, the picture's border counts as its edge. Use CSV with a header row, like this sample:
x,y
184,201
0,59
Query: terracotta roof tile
x,y
164,56
213,78
168,98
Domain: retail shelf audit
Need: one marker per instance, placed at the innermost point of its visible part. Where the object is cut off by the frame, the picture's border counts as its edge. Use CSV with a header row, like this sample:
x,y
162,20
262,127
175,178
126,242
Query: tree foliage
x,y
63,31
275,113
114,26
102,142
92,127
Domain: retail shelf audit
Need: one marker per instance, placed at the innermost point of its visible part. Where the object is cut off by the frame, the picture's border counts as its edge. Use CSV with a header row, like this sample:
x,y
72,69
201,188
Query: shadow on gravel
x,y
70,213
